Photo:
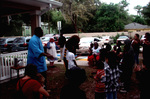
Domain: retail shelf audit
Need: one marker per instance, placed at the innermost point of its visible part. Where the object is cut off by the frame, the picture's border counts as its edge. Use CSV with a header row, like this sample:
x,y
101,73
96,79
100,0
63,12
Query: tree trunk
x,y
74,22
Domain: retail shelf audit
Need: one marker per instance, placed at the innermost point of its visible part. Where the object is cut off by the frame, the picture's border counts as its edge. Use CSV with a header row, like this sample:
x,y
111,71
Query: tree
x,y
123,4
14,26
77,11
110,17
51,17
138,8
146,13
139,19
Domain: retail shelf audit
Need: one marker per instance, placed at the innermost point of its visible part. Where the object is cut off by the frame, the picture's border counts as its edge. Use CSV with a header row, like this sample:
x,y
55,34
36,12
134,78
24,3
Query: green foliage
x,y
13,27
146,13
51,17
76,12
115,37
138,8
109,17
139,19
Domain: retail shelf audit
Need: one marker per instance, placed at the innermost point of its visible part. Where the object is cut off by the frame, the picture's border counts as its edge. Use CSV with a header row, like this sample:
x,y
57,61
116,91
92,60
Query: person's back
x,y
100,81
30,88
112,75
76,76
70,58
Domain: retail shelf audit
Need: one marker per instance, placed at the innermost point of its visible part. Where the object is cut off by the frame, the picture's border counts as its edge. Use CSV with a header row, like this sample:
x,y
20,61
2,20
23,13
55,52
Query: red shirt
x,y
100,86
30,88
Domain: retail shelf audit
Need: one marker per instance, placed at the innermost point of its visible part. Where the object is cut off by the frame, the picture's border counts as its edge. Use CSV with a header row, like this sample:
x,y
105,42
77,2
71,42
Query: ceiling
x,y
12,7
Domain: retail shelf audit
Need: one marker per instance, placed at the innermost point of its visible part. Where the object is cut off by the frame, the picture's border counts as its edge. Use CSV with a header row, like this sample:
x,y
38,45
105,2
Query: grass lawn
x,y
56,80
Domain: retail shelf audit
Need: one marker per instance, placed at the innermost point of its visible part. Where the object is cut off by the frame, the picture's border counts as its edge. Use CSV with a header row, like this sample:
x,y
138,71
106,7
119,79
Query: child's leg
x,y
51,63
109,95
114,95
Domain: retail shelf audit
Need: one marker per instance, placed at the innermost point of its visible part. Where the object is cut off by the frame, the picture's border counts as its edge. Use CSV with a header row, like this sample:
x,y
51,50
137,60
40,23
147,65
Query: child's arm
x,y
96,77
75,63
43,91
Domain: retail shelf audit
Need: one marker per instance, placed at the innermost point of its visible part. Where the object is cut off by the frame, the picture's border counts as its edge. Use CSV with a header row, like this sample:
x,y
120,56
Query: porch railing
x,y
7,60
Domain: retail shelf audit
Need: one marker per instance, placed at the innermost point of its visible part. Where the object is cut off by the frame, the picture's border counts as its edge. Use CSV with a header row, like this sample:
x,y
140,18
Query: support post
x,y
35,22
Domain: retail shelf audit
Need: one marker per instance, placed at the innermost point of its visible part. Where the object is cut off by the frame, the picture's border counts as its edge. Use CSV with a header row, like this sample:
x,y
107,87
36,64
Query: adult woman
x,y
51,49
30,87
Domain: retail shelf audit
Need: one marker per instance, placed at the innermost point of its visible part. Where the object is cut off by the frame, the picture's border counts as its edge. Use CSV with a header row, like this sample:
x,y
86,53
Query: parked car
x,y
122,38
5,44
67,37
142,38
107,39
20,44
45,39
85,42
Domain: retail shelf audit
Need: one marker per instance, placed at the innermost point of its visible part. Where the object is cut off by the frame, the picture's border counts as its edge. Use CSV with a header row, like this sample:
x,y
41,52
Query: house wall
x,y
137,30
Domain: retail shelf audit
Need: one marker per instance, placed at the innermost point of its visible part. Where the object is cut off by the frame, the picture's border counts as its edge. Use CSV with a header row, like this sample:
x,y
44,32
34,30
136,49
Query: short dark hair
x,y
100,65
76,75
112,59
38,31
137,35
31,71
118,43
102,54
72,43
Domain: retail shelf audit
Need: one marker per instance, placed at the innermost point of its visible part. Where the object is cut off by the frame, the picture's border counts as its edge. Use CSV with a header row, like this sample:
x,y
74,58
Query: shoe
x,y
59,60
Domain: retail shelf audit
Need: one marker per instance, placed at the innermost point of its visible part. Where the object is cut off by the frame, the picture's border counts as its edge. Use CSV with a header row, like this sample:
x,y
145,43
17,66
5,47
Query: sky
x,y
132,4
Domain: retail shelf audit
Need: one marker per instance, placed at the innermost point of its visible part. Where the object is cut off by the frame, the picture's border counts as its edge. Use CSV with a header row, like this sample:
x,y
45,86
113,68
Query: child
x,y
69,52
142,75
100,78
40,79
112,74
70,57
51,49
76,76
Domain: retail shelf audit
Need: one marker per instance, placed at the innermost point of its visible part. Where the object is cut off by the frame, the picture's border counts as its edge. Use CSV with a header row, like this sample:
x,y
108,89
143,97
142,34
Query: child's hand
x,y
50,56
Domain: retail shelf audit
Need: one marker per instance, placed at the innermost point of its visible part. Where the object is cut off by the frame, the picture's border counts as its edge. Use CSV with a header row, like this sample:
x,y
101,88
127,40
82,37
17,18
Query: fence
x,y
7,60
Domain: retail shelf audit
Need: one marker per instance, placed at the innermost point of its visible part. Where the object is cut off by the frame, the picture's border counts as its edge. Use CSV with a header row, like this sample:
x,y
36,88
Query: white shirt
x,y
70,57
96,51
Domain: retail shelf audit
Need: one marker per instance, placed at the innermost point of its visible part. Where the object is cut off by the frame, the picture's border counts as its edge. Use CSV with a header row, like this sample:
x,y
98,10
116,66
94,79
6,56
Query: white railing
x,y
7,60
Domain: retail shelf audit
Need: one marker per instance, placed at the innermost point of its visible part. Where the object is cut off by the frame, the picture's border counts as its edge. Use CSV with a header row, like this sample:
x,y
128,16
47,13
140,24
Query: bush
x,y
115,37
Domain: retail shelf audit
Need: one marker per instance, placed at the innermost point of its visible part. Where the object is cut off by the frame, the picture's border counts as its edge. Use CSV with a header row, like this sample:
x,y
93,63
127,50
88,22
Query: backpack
x,y
19,94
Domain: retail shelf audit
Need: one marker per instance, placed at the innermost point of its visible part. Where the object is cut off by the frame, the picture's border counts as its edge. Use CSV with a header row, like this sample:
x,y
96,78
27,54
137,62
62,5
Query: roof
x,y
11,7
136,26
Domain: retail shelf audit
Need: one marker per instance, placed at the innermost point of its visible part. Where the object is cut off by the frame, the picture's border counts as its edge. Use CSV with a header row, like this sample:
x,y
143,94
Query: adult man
x,y
61,42
36,53
136,46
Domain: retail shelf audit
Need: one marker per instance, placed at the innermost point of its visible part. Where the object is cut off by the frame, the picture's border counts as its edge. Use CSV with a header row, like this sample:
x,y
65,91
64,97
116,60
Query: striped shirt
x,y
100,85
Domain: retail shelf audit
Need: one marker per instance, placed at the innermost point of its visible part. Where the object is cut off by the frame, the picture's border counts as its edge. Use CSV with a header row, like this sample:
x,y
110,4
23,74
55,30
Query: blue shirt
x,y
35,48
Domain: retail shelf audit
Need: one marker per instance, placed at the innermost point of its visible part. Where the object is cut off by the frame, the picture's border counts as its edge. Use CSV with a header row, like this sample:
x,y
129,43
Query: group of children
x,y
107,75
111,65
114,66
